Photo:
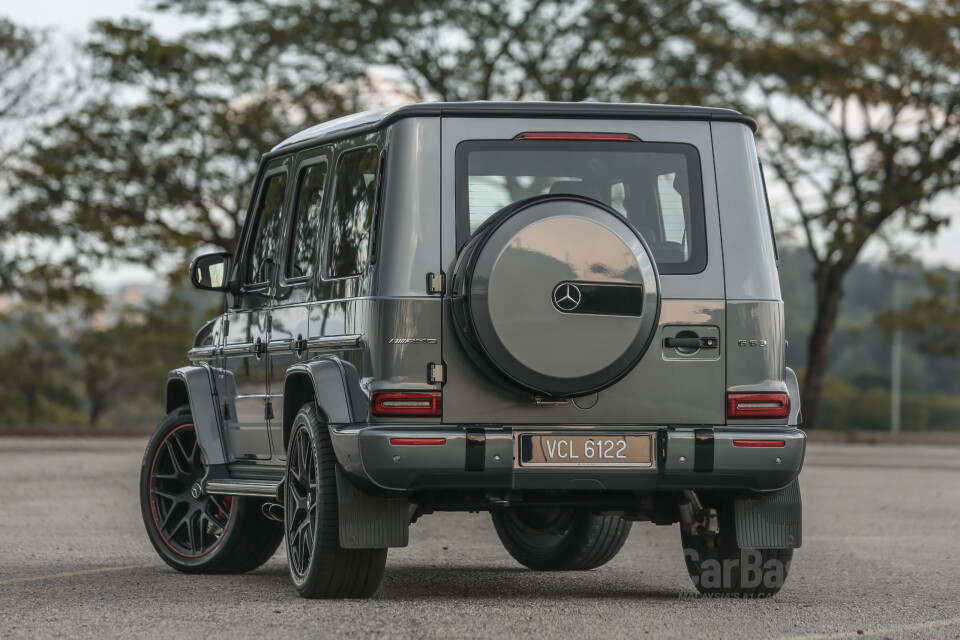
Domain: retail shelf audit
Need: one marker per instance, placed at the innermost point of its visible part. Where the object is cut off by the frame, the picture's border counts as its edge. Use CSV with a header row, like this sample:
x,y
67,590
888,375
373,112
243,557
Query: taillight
x,y
758,405
406,403
563,135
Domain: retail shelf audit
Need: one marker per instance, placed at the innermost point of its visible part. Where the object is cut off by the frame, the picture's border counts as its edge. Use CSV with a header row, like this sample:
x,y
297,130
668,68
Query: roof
x,y
366,121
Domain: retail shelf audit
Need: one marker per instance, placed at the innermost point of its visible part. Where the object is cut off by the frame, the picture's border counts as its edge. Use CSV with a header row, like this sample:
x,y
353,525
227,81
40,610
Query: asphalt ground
x,y
880,559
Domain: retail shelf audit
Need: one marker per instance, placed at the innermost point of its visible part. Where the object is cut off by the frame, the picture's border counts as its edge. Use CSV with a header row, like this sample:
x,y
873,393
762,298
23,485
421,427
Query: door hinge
x,y
226,411
435,282
268,411
436,373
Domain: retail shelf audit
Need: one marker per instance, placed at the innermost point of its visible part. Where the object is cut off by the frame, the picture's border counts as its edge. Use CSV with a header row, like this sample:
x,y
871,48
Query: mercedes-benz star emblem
x,y
566,296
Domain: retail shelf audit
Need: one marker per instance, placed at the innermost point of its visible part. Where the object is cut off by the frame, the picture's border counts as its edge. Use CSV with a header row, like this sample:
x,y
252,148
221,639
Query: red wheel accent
x,y
224,510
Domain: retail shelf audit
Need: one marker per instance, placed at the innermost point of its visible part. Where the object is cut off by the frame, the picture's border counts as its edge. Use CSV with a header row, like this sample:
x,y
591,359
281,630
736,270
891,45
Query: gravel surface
x,y
879,559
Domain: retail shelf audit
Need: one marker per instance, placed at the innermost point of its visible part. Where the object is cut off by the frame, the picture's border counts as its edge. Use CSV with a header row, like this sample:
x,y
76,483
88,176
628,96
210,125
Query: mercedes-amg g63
x,y
565,315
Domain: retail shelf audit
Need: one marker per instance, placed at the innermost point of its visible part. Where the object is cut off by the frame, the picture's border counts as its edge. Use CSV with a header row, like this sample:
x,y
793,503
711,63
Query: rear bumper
x,y
482,458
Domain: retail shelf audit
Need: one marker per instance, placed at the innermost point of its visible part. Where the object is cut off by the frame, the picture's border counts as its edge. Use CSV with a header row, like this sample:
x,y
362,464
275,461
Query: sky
x,y
73,16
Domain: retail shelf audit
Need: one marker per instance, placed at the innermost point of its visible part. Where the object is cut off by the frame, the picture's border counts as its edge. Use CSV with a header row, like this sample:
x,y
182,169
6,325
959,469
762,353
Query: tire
x,y
209,534
319,567
717,569
553,539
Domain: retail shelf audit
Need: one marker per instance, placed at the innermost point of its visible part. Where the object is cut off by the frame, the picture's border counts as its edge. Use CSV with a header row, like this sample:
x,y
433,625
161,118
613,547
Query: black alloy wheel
x,y
190,522
319,566
192,531
300,501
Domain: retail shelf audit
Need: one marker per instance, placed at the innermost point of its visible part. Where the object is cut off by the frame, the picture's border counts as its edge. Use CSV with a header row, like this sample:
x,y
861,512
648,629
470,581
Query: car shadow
x,y
401,583
405,582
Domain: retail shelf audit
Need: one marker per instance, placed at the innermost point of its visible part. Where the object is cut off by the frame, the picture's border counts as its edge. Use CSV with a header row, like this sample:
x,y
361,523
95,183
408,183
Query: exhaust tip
x,y
272,511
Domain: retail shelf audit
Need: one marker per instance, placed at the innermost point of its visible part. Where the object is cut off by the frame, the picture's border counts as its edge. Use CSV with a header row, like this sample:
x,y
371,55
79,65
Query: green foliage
x,y
36,377
158,162
935,317
859,111
17,45
847,407
858,102
108,370
476,49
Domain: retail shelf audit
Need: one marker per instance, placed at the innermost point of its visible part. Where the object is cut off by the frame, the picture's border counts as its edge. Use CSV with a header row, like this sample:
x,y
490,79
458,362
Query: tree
x,y
156,163
159,161
18,47
36,365
934,318
104,366
122,363
859,110
476,49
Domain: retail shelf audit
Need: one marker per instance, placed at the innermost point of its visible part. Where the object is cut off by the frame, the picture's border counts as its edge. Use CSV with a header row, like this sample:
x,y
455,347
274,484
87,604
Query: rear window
x,y
656,186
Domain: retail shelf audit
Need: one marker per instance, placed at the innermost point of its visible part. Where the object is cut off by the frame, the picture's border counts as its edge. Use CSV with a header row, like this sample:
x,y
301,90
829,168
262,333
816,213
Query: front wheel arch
x,y
177,395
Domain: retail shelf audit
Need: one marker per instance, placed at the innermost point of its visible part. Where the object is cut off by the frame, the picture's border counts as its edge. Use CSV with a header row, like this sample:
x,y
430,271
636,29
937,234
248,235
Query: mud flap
x,y
770,521
367,522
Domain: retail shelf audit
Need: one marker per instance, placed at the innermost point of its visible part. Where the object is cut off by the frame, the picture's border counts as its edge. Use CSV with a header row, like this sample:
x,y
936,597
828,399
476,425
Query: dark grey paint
x,y
198,381
349,322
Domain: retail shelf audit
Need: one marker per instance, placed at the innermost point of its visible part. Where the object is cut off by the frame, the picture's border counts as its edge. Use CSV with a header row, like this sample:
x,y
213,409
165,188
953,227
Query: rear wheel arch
x,y
298,390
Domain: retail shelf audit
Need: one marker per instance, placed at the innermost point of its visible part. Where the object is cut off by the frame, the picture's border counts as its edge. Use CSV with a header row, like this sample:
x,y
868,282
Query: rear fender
x,y
195,386
365,521
330,382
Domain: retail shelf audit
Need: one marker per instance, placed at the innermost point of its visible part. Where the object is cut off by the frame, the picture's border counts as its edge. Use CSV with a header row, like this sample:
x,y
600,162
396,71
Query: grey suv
x,y
567,315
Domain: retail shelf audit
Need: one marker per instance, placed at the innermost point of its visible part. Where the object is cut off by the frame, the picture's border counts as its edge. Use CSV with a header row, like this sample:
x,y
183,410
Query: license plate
x,y
551,450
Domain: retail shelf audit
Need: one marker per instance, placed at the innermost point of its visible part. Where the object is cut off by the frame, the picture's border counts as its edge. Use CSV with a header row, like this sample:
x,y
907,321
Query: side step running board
x,y
247,488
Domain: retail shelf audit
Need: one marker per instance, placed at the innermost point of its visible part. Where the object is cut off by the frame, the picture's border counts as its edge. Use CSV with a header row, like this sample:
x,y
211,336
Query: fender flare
x,y
194,385
335,388
366,522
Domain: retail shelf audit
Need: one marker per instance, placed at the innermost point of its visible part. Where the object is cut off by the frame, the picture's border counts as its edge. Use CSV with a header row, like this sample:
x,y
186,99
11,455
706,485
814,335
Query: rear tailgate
x,y
669,385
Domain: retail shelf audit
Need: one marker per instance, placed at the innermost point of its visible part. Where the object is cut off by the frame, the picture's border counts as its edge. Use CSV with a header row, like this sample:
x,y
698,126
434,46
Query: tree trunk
x,y
829,284
31,400
95,409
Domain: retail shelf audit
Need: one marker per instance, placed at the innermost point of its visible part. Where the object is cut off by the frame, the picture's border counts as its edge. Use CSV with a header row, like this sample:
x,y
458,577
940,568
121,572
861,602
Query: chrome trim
x,y
246,488
201,353
334,342
238,349
278,345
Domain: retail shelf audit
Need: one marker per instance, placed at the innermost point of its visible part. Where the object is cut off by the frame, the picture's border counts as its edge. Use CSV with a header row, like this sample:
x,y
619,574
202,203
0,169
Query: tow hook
x,y
695,519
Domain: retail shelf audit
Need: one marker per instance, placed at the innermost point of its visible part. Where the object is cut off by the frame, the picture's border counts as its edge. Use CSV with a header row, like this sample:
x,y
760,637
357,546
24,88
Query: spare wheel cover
x,y
562,294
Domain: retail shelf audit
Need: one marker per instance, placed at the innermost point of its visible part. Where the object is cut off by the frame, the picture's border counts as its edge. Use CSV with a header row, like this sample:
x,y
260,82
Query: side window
x,y
266,242
309,214
671,209
353,201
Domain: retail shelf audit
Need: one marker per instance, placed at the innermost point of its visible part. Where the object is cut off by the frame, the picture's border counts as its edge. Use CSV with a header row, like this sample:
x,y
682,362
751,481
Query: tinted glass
x,y
305,225
266,242
656,186
353,202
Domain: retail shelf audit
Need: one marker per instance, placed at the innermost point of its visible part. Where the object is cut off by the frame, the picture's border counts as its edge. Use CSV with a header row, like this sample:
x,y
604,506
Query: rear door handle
x,y
690,343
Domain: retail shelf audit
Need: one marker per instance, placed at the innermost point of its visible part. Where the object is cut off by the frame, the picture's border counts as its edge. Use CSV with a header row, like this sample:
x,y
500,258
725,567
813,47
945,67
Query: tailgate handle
x,y
691,343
